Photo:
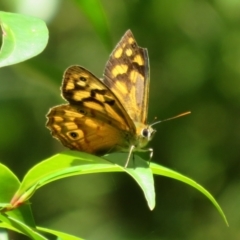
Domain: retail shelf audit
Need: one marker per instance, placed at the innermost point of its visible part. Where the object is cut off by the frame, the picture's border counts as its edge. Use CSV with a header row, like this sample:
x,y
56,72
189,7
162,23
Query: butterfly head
x,y
145,134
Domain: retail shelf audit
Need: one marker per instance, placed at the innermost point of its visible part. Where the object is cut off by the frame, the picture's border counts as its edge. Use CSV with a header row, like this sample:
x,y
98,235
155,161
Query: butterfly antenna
x,y
180,115
152,122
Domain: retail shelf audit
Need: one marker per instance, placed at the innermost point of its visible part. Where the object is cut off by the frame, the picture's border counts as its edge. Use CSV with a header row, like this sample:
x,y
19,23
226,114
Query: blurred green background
x,y
194,50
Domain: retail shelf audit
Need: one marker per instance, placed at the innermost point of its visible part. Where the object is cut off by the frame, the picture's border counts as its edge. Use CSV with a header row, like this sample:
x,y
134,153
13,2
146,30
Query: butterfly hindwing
x,y
80,129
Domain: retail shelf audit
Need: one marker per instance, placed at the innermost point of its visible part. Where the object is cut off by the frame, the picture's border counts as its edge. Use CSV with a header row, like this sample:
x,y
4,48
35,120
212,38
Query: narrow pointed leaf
x,y
18,226
94,11
163,171
60,235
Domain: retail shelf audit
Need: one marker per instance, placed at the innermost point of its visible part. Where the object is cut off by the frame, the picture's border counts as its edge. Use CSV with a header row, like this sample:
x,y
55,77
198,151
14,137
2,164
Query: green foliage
x,y
71,163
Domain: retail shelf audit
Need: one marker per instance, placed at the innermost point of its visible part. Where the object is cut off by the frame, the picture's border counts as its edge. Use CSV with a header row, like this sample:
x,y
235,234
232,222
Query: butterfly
x,y
108,114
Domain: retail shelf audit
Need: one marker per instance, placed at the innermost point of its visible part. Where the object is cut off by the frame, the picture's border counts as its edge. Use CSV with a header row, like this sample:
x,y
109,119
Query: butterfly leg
x,y
129,155
150,155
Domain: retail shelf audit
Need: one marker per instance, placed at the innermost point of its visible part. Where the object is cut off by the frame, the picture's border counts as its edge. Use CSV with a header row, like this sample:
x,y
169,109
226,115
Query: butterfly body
x,y
106,115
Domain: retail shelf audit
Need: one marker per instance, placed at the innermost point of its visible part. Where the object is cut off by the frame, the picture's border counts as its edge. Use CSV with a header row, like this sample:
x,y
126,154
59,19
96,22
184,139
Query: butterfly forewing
x,y
127,75
82,88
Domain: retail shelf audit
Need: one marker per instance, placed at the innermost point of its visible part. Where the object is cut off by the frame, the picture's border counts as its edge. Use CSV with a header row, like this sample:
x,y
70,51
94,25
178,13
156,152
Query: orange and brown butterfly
x,y
109,114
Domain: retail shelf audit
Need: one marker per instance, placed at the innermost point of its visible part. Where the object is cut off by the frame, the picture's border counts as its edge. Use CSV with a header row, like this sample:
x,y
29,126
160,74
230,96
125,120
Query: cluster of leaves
x,y
24,37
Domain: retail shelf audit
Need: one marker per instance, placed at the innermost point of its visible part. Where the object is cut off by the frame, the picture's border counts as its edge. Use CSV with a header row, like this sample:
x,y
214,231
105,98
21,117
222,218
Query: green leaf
x,y
163,171
23,214
95,13
60,235
70,163
23,37
139,170
18,226
9,184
